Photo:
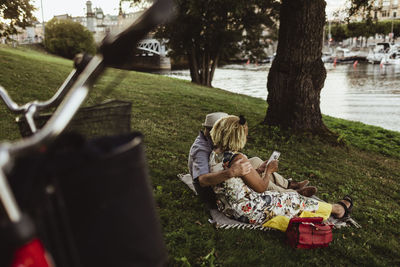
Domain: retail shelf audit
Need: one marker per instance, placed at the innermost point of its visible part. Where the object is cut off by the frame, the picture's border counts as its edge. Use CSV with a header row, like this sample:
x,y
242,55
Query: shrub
x,y
68,38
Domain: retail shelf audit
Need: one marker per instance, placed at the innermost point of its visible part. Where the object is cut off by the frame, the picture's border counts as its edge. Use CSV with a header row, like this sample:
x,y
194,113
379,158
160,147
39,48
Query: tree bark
x,y
297,73
213,67
203,69
193,66
202,66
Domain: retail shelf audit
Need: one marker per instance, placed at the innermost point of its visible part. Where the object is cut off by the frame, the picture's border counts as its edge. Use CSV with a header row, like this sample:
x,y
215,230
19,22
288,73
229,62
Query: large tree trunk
x,y
297,73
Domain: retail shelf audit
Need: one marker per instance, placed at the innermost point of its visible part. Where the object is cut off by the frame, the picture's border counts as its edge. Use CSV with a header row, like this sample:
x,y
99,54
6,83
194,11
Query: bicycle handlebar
x,y
65,111
54,101
9,102
29,109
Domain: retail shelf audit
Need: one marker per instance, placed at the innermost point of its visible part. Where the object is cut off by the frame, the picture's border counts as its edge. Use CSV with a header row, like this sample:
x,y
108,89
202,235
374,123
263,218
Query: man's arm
x,y
238,169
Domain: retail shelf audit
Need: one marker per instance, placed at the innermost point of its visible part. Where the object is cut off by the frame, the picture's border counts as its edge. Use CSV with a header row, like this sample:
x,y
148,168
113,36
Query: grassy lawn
x,y
169,112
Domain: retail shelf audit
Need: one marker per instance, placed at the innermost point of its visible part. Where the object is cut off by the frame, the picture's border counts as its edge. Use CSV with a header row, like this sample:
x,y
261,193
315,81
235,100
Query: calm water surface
x,y
367,93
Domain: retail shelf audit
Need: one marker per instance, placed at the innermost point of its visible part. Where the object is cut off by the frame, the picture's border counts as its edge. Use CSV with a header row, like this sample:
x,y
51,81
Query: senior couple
x,y
249,190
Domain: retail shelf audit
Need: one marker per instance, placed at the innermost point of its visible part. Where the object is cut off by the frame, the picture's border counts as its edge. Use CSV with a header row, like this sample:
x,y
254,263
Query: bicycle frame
x,y
70,96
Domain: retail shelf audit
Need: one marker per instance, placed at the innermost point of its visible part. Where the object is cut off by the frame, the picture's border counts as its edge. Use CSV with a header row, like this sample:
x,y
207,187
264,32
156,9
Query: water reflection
x,y
367,93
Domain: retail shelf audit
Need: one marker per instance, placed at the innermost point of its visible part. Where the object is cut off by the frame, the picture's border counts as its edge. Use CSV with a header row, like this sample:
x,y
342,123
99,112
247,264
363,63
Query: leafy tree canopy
x,y
360,7
338,31
364,29
14,15
68,38
205,31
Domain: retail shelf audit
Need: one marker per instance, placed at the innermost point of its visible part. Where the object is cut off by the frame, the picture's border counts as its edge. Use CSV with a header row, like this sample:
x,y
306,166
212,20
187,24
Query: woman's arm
x,y
253,179
238,168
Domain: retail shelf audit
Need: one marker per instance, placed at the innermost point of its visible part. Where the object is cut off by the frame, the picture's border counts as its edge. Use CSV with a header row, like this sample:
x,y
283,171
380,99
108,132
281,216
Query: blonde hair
x,y
228,134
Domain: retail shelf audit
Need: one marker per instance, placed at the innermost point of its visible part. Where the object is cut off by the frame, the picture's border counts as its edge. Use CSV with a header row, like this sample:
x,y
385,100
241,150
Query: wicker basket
x,y
109,118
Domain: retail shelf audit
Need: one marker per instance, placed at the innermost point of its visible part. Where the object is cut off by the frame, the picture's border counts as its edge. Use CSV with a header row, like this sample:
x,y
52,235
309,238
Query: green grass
x,y
169,112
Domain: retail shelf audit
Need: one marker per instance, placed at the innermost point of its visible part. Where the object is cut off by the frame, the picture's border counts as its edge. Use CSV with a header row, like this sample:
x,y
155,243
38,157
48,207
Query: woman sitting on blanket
x,y
246,199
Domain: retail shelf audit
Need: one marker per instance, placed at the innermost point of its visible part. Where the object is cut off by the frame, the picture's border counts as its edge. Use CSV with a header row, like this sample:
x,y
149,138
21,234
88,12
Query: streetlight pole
x,y
392,30
329,34
41,6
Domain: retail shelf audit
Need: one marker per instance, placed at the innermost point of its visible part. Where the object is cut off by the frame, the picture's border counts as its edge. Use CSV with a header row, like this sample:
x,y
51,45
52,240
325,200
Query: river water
x,y
366,93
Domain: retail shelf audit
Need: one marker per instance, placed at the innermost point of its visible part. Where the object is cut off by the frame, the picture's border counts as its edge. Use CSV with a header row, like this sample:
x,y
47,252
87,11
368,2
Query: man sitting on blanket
x,y
203,180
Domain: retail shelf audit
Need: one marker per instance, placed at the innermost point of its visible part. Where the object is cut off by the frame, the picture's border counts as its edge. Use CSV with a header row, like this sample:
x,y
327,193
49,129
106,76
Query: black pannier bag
x,y
92,201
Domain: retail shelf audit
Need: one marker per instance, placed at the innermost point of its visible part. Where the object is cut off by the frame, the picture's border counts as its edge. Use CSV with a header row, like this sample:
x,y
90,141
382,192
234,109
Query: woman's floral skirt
x,y
269,209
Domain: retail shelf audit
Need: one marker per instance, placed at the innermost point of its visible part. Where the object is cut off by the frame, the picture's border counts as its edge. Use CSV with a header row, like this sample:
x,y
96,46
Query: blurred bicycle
x,y
66,201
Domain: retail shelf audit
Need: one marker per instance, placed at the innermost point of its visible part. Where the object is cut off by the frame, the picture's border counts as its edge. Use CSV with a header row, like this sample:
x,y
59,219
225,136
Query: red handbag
x,y
307,233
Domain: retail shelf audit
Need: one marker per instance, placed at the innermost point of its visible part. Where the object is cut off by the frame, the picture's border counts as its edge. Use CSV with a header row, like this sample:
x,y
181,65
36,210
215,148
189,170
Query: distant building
x,y
63,16
100,24
90,17
383,10
80,19
386,9
29,35
94,20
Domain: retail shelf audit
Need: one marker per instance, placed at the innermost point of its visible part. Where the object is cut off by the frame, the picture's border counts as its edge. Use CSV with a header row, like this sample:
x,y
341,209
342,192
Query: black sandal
x,y
350,200
347,210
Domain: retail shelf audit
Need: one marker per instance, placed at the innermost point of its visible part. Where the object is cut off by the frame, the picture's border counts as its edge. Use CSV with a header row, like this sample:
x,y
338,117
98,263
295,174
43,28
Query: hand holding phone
x,y
274,156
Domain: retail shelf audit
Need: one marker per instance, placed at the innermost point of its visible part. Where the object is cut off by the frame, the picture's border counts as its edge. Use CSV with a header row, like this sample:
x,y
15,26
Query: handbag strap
x,y
318,225
309,220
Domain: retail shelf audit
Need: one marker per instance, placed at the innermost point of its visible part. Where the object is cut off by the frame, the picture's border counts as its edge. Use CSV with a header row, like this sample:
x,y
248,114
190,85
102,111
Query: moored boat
x,y
381,51
392,58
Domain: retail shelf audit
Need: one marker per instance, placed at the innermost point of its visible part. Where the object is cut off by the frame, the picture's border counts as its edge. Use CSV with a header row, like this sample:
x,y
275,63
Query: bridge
x,y
153,56
152,46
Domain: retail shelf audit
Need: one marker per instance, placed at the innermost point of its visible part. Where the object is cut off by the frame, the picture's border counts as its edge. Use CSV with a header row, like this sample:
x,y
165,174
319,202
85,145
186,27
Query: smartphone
x,y
275,156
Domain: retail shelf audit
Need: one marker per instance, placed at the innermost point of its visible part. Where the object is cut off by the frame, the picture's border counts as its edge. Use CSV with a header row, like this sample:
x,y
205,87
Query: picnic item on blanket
x,y
308,233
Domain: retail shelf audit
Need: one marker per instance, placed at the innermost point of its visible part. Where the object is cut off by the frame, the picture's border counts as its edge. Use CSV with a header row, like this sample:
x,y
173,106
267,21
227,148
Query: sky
x,y
72,7
78,7
332,6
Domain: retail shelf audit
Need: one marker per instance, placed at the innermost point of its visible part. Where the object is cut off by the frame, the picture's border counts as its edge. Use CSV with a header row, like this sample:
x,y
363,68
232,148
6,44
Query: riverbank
x,y
367,93
169,112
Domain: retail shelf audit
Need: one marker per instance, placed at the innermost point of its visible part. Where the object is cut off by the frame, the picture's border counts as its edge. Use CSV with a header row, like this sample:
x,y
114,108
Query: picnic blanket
x,y
220,221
